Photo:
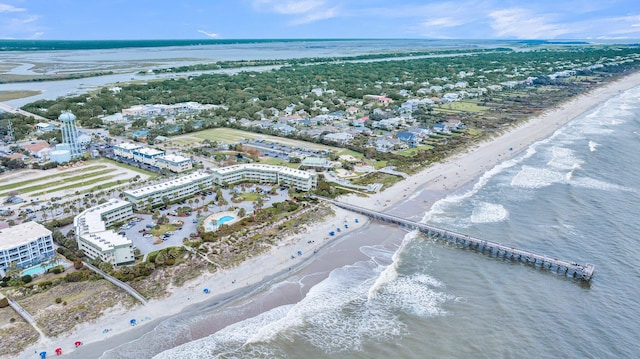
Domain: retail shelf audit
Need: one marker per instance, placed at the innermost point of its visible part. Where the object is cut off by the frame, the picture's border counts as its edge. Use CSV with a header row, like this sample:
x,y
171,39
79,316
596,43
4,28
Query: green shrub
x,y
4,302
27,278
58,300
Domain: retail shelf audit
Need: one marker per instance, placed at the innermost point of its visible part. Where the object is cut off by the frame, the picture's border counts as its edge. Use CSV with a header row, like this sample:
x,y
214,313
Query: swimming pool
x,y
38,269
224,220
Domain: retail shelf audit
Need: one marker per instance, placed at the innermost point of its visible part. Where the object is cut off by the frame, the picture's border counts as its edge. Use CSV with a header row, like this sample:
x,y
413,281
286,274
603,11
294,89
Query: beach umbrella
x,y
133,322
58,351
43,355
78,343
206,291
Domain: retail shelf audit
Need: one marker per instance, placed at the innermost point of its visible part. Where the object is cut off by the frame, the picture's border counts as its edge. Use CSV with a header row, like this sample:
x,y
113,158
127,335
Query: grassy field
x,y
14,185
409,152
75,185
462,106
12,95
54,181
230,136
128,167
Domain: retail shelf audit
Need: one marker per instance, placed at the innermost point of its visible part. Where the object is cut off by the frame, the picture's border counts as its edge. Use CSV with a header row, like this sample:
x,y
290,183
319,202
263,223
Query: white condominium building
x,y
147,155
24,245
174,163
125,149
253,172
96,241
181,187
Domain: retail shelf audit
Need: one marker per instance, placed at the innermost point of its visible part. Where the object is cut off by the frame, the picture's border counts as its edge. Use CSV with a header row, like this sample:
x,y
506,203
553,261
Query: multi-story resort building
x,y
24,245
153,157
147,155
99,243
174,163
253,172
125,149
182,187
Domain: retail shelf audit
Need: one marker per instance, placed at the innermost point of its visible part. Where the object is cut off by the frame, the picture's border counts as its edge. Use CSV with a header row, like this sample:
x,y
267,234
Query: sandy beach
x,y
439,180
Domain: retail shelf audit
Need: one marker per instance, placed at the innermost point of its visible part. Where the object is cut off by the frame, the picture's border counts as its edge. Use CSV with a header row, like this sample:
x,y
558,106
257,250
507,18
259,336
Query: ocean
x,y
384,292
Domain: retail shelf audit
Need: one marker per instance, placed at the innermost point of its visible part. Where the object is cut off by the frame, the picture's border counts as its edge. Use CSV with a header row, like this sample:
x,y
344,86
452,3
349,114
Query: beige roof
x,y
21,234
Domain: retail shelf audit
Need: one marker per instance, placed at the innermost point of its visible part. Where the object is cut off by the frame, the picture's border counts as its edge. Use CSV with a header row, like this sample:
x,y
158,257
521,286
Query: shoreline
x,y
455,173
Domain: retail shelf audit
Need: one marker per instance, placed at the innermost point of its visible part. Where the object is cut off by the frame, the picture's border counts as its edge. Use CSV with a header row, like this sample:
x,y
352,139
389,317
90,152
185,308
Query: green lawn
x,y
409,152
465,106
231,135
49,177
355,154
74,185
50,185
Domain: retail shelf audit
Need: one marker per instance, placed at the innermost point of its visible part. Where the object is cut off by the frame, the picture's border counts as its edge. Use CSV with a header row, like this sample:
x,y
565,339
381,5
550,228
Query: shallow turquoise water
x,y
225,219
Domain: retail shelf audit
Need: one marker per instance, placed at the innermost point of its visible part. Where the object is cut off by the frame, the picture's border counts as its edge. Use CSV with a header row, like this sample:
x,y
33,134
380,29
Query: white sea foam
x,y
599,185
593,145
563,158
354,305
390,273
230,340
533,177
442,206
486,212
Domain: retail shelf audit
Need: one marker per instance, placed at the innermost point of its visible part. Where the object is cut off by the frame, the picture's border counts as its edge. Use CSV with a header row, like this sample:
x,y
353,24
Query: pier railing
x,y
580,271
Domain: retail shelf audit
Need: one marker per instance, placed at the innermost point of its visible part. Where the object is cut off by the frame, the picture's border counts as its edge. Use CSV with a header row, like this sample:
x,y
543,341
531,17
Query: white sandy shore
x,y
279,259
440,179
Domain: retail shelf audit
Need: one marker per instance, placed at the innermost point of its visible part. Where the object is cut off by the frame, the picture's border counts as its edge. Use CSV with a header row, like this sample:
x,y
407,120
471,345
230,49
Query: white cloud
x,y
316,16
288,7
209,34
305,11
10,8
444,22
523,24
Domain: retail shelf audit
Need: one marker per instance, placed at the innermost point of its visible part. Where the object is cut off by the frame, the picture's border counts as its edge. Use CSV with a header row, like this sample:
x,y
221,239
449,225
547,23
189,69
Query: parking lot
x,y
150,244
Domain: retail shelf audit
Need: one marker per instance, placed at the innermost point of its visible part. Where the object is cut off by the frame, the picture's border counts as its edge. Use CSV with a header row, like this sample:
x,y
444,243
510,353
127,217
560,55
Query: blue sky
x,y
254,19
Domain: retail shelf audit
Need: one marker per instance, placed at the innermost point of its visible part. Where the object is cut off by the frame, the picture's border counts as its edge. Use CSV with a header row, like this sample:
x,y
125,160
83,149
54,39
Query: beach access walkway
x,y
25,315
579,271
118,283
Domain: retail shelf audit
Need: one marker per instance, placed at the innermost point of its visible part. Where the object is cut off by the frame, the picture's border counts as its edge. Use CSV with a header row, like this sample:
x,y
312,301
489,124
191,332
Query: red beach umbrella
x,y
78,343
58,351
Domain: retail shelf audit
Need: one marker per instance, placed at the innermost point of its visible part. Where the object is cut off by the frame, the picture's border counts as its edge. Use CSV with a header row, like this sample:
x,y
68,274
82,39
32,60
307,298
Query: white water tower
x,y
70,133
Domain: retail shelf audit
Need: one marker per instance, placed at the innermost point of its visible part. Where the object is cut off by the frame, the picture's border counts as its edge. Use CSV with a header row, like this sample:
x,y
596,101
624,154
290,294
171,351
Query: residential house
x,y
441,128
340,137
378,99
409,138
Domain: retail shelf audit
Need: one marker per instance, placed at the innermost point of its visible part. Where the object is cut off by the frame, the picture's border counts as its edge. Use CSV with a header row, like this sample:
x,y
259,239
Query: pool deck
x,y
213,218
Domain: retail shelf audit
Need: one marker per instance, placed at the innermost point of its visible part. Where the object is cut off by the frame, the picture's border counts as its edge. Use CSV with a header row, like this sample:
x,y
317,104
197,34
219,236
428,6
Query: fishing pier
x,y
579,271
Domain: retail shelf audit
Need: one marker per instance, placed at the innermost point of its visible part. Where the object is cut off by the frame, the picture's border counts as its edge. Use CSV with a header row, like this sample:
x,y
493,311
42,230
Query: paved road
x,y
7,108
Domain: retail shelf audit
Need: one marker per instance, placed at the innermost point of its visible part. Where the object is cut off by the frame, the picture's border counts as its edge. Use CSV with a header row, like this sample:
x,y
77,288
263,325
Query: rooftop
x,y
174,158
262,167
128,146
91,219
149,151
21,234
192,177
